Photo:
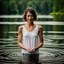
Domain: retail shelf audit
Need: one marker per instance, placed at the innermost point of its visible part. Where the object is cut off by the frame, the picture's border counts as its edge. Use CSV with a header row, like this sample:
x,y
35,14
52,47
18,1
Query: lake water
x,y
52,52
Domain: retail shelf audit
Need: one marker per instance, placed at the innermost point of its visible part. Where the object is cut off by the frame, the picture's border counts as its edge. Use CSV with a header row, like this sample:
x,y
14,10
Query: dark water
x,y
52,52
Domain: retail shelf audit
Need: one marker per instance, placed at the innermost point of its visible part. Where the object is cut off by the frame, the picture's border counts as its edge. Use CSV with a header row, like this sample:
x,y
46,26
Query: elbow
x,y
41,44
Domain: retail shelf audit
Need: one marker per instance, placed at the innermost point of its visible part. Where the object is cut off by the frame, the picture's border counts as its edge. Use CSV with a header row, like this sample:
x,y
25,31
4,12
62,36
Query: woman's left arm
x,y
40,34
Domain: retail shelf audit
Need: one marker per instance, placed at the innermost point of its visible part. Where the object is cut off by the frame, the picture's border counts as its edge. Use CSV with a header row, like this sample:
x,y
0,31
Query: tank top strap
x,y
24,29
36,28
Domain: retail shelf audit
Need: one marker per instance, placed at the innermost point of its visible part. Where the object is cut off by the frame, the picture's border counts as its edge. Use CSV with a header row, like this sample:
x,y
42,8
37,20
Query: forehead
x,y
28,13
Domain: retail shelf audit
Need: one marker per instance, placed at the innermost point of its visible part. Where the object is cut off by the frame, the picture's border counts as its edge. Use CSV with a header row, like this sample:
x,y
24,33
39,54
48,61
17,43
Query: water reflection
x,y
51,53
29,59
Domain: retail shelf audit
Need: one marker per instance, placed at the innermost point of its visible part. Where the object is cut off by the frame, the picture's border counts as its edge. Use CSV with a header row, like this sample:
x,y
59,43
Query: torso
x,y
30,37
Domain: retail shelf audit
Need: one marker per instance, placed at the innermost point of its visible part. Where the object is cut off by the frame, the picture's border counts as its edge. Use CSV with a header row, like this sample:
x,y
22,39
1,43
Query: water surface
x,y
52,52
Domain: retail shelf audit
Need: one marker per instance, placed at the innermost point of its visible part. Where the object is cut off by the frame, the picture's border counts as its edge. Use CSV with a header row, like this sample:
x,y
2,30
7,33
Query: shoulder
x,y
20,28
40,28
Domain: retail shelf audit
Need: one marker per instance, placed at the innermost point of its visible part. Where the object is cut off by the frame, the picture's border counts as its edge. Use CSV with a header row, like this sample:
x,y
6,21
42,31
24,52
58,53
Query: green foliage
x,y
30,4
13,7
18,6
58,5
58,14
58,9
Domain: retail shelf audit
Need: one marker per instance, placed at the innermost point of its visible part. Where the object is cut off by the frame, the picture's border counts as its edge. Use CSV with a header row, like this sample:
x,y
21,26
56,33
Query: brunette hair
x,y
32,11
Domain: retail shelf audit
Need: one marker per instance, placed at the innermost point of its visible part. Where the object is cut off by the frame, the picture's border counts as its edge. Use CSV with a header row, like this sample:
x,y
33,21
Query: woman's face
x,y
29,17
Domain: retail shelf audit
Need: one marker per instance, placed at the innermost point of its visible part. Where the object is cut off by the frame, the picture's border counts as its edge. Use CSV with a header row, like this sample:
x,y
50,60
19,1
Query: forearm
x,y
22,46
38,46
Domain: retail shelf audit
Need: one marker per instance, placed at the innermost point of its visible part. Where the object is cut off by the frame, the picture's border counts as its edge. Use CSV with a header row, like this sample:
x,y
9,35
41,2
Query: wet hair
x,y
32,11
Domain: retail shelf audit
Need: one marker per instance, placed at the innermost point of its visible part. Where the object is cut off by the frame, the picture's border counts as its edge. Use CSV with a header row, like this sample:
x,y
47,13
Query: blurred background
x,y
50,15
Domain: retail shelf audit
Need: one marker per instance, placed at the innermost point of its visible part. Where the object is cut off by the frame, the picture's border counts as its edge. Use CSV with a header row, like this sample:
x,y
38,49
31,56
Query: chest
x,y
30,29
30,34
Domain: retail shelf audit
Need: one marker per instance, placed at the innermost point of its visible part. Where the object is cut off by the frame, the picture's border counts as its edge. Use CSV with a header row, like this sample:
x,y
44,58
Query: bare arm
x,y
20,36
40,33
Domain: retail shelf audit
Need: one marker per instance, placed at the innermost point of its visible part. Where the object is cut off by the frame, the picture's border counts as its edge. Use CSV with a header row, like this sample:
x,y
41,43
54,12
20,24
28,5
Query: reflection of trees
x,y
1,31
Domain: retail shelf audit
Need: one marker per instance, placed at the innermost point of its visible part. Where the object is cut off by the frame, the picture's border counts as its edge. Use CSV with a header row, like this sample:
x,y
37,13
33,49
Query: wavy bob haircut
x,y
32,11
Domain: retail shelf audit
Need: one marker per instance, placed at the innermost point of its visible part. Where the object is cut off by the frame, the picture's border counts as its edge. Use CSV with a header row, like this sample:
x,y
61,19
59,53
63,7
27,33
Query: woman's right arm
x,y
20,38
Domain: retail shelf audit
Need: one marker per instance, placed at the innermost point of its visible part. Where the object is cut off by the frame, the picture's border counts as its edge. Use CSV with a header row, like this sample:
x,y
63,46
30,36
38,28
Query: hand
x,y
32,50
29,50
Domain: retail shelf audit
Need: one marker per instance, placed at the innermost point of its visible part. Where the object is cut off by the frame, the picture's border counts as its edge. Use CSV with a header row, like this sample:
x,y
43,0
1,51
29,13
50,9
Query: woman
x,y
28,34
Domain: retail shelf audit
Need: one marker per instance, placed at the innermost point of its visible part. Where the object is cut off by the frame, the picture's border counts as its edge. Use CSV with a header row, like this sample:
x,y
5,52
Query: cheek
x,y
26,17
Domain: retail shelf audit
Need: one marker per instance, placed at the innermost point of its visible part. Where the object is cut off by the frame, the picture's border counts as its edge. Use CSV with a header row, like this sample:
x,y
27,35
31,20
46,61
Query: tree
x,y
58,13
31,4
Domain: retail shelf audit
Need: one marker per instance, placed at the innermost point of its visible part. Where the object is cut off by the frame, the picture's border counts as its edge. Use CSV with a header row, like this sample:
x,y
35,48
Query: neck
x,y
30,24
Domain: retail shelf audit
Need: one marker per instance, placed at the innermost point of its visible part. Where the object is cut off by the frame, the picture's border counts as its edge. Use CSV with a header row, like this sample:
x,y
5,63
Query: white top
x,y
30,39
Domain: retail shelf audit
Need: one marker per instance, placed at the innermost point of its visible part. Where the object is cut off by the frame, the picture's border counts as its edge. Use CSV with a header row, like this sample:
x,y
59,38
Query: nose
x,y
29,17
